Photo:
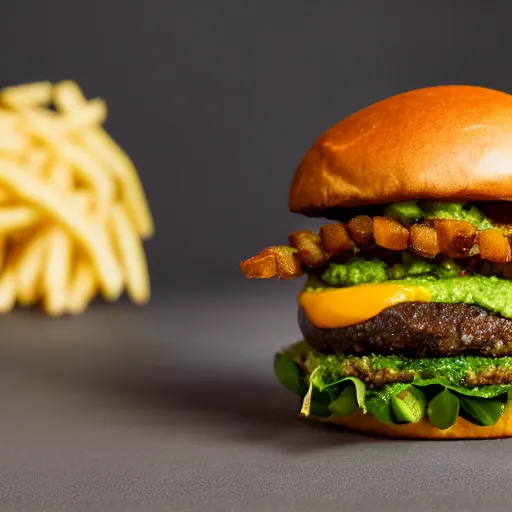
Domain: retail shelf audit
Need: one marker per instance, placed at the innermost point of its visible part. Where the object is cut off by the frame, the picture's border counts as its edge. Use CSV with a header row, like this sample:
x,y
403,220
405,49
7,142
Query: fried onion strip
x,y
277,260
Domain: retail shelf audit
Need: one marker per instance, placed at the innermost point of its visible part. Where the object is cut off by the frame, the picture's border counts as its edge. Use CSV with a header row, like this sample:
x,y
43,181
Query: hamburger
x,y
406,308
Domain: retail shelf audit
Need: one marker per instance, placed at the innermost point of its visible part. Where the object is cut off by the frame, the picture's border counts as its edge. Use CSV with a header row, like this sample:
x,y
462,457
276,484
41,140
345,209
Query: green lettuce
x,y
325,394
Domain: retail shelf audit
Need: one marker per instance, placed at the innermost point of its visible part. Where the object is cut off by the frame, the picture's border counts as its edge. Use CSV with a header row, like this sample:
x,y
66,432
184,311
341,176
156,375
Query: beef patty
x,y
417,329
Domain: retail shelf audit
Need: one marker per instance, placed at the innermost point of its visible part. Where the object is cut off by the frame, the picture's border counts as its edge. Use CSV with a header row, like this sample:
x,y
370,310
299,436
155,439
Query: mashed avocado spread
x,y
409,212
443,280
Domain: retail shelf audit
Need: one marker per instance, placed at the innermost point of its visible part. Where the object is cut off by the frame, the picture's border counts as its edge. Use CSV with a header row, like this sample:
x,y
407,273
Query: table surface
x,y
175,408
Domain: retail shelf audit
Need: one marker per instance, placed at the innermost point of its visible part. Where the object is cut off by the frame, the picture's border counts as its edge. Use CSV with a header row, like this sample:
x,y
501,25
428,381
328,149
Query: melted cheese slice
x,y
341,307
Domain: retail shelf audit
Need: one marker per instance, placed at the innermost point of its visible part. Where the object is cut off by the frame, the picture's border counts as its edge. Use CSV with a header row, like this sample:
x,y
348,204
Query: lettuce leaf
x,y
326,396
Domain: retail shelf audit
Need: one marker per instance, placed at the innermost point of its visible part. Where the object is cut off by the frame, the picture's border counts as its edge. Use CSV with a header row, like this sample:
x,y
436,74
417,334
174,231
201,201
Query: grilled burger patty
x,y
417,329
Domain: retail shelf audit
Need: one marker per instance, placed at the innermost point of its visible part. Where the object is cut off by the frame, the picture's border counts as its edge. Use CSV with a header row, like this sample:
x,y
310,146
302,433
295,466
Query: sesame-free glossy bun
x,y
451,143
461,429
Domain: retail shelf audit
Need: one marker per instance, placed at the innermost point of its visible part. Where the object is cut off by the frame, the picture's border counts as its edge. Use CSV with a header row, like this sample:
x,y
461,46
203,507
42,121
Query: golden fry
x,y
3,253
56,270
9,121
15,218
28,268
91,114
27,95
85,166
90,235
36,160
99,143
69,99
13,142
7,290
83,286
131,255
67,96
64,180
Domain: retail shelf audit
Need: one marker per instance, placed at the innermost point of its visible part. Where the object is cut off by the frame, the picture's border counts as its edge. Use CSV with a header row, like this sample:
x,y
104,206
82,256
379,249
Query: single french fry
x,y
83,286
57,267
15,218
9,120
67,96
91,114
60,207
7,290
61,176
28,268
56,270
36,161
5,196
11,141
27,95
131,255
3,253
117,162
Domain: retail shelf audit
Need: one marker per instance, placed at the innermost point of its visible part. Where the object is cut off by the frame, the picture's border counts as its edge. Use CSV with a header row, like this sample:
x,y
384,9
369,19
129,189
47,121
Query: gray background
x,y
174,407
218,101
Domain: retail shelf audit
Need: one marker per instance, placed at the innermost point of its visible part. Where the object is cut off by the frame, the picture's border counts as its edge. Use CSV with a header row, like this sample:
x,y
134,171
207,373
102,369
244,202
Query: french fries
x,y
73,212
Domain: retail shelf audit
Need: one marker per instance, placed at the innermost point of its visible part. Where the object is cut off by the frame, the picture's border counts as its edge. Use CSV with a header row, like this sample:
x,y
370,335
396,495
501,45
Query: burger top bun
x,y
445,143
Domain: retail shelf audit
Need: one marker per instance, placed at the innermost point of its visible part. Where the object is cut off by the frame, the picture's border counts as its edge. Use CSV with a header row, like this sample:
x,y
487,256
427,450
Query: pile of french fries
x,y
73,213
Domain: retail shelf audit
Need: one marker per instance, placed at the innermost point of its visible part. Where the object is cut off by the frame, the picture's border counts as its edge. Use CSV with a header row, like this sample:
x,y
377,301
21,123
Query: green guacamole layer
x,y
438,389
443,280
379,370
409,212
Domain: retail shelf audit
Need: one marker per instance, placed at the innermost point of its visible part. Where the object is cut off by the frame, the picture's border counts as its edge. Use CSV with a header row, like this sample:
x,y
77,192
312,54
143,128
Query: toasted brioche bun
x,y
461,429
451,143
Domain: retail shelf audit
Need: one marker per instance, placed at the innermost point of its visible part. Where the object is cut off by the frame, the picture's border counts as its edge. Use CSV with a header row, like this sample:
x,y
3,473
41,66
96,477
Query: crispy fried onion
x,y
279,260
451,238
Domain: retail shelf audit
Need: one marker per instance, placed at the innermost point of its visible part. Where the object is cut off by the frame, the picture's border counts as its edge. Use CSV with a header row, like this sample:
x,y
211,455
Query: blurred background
x,y
216,102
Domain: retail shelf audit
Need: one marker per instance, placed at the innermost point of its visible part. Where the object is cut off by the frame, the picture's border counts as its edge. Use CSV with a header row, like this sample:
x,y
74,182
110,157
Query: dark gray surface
x,y
174,408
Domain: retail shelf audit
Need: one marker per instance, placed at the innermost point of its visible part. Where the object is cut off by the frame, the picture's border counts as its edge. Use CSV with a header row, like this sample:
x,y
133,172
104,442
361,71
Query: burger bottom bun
x,y
461,429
